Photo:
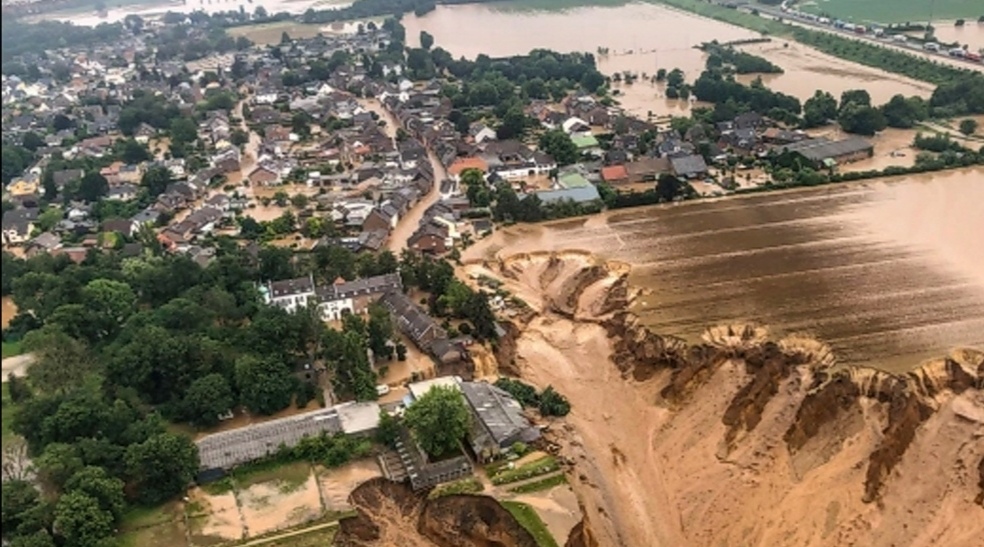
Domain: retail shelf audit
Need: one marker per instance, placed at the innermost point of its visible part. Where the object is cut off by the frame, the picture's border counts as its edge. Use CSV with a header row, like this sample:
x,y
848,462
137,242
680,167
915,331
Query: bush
x,y
553,403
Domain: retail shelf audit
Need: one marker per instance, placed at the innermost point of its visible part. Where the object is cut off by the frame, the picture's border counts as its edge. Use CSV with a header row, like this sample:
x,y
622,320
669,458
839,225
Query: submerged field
x,y
889,273
896,11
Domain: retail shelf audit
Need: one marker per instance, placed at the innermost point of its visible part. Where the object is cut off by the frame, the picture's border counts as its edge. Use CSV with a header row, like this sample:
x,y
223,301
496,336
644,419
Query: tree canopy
x,y
439,420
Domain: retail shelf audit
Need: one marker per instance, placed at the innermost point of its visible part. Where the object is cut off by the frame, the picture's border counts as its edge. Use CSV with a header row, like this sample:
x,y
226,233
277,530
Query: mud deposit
x,y
390,514
741,438
889,273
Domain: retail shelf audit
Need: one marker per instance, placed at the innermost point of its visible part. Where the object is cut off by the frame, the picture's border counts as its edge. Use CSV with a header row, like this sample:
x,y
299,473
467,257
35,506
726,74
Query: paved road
x,y
910,48
292,533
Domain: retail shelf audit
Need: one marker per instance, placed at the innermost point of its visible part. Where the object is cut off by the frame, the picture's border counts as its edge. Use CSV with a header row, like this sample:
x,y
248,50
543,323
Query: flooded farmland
x,y
641,38
889,272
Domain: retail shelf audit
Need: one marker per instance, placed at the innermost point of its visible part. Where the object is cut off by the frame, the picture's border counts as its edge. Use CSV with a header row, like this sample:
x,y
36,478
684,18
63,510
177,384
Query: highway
x,y
913,48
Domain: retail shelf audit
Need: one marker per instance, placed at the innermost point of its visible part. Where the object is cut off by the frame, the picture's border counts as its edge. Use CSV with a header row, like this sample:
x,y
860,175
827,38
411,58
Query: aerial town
x,y
307,277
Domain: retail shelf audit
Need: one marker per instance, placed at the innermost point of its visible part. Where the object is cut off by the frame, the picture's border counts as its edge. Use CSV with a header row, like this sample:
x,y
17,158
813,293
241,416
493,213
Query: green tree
x,y
426,40
553,403
207,398
859,97
131,151
439,419
96,483
57,463
40,538
19,497
388,430
861,120
904,112
560,146
968,126
183,130
32,141
49,218
380,330
162,466
668,187
80,522
265,385
675,78
353,374
92,187
514,124
300,201
239,137
156,179
61,362
819,109
110,303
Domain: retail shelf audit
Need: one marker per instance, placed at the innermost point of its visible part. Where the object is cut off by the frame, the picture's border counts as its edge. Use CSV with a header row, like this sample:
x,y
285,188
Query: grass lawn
x,y
10,349
542,484
528,518
161,526
504,475
896,11
468,485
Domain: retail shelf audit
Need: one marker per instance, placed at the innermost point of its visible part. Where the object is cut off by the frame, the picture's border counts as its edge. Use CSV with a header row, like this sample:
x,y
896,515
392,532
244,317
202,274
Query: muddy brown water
x,y
641,38
889,273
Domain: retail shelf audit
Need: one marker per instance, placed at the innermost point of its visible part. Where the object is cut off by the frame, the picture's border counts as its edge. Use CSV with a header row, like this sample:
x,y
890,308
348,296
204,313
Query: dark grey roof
x,y
501,415
370,285
19,219
231,448
289,287
410,318
689,165
821,148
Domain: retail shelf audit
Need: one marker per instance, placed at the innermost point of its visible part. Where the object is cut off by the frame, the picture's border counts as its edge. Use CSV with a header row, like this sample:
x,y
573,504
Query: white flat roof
x,y
418,389
358,417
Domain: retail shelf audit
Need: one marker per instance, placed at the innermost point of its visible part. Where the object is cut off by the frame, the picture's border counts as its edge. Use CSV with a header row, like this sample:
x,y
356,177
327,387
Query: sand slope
x,y
741,441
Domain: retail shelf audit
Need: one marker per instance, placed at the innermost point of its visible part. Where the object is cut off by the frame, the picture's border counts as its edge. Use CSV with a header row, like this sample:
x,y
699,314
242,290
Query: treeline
x,y
509,207
742,62
715,87
449,298
20,38
363,9
857,51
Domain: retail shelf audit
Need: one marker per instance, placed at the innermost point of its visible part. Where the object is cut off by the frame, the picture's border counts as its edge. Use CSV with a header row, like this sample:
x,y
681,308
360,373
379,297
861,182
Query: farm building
x,y
826,153
225,450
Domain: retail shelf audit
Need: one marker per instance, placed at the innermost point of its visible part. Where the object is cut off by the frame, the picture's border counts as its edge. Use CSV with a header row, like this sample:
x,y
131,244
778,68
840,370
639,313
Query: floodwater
x,y
642,38
155,8
888,272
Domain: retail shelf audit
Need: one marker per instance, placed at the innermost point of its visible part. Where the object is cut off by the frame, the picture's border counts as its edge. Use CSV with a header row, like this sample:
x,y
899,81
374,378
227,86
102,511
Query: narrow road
x,y
407,225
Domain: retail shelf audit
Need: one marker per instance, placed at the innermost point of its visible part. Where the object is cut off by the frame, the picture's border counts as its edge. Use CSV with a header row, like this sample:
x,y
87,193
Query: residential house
x,y
382,218
429,239
343,297
263,175
615,174
228,160
690,167
119,225
587,144
144,133
498,421
585,194
45,243
18,225
462,164
289,294
479,133
421,328
123,192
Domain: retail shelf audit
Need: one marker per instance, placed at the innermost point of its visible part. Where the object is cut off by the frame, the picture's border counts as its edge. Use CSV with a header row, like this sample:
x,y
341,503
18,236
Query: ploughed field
x,y
887,273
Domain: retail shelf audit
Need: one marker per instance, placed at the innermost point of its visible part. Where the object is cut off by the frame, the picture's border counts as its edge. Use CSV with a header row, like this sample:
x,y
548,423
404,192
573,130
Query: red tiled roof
x,y
614,172
467,163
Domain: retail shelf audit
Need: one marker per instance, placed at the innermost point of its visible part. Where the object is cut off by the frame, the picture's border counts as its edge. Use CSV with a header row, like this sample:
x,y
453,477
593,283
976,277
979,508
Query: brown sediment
x,y
581,535
390,514
674,446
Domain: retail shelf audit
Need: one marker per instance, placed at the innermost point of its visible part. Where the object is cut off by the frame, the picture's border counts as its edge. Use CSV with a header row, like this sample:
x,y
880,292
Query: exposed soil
x,y
741,439
390,514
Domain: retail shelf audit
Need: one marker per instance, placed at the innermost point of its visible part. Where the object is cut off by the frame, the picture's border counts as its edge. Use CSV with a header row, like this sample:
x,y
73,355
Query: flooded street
x,y
888,272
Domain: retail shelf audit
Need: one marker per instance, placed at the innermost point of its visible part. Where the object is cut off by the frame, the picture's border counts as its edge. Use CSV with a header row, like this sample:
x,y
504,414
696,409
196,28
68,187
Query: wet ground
x,y
889,273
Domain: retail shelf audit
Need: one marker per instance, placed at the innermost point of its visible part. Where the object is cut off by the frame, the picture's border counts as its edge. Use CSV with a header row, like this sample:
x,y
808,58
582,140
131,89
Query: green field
x,y
528,519
10,349
896,11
